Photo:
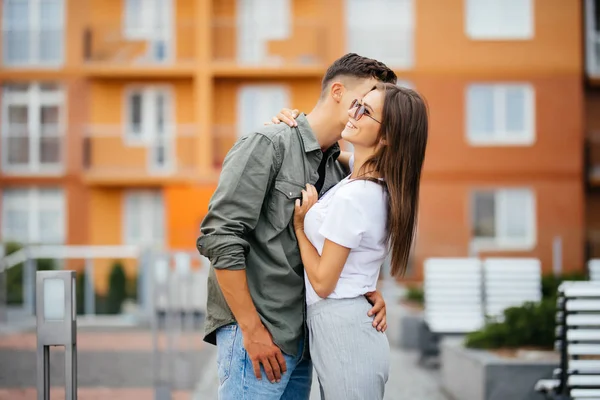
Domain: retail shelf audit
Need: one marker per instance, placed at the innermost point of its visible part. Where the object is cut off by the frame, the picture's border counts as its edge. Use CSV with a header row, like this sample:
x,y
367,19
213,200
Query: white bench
x,y
578,340
594,269
510,282
453,299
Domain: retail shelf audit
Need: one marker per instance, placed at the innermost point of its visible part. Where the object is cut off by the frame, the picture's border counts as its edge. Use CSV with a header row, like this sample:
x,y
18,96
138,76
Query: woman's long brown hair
x,y
399,161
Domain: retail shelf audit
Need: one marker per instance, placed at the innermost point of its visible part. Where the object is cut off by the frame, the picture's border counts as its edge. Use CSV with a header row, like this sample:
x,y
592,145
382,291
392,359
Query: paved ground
x,y
115,364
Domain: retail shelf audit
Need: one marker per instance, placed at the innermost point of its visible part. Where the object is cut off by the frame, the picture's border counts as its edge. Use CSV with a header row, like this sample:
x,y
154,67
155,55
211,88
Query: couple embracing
x,y
297,231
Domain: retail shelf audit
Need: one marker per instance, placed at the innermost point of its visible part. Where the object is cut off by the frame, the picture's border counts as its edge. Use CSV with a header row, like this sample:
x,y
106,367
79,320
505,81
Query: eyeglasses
x,y
361,110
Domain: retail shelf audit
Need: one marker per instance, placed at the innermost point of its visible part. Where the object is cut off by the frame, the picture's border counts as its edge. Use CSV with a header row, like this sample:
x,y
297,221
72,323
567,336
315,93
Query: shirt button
x,y
291,194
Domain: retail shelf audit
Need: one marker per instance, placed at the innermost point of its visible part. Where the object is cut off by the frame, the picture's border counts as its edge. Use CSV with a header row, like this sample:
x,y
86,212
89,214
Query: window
x,y
32,128
504,218
261,21
150,20
33,32
499,19
149,112
33,215
381,29
257,104
144,220
500,114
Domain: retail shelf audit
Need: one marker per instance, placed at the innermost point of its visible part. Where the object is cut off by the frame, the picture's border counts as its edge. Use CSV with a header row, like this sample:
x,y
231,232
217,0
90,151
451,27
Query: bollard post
x,y
56,319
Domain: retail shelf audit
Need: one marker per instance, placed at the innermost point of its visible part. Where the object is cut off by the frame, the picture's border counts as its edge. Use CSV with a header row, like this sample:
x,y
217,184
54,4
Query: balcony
x,y
26,152
592,37
253,47
112,156
111,49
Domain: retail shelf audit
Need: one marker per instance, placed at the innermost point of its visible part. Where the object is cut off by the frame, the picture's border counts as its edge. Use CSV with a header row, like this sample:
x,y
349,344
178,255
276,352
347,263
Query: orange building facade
x,y
115,123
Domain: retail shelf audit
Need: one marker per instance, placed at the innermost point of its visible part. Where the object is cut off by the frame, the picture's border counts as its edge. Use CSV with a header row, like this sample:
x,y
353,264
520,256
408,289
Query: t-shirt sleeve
x,y
344,222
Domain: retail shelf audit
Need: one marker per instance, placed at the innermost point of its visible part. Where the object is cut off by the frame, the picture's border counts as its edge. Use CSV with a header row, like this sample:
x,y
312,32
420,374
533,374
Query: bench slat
x,y
583,305
584,380
584,365
583,335
583,320
585,393
583,349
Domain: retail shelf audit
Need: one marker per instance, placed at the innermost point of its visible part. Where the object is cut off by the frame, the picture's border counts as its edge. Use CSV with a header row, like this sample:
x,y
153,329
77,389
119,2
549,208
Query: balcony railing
x,y
303,42
114,44
110,152
28,152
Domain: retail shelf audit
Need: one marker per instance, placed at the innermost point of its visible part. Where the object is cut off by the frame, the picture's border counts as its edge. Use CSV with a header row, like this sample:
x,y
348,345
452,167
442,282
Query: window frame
x,y
500,135
501,241
34,206
527,34
34,99
35,29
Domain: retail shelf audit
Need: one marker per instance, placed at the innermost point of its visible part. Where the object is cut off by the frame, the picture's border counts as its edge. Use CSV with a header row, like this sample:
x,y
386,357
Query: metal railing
x,y
115,44
110,150
302,42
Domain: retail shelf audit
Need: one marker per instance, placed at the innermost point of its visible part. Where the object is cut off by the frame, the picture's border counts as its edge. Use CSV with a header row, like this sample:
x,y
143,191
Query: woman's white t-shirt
x,y
352,214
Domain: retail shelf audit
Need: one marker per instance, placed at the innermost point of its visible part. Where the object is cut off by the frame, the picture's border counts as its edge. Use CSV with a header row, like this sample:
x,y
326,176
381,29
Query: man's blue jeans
x,y
236,374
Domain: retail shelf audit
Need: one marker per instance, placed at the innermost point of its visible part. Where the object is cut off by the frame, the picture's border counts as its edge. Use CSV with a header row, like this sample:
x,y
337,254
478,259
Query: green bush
x,y
415,294
550,283
117,290
14,276
530,325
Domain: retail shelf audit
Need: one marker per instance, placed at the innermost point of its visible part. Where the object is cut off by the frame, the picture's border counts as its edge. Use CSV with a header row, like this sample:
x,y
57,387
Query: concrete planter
x,y
482,375
410,326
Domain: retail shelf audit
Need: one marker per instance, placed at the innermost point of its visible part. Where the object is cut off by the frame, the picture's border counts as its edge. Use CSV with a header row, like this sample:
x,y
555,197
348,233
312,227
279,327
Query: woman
x,y
345,236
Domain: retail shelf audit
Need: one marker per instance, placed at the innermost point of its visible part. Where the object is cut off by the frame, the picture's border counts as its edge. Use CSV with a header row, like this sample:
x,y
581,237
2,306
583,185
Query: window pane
x,y
484,221
17,32
51,33
135,104
518,214
15,215
51,204
133,218
158,228
499,19
480,110
515,110
17,135
393,29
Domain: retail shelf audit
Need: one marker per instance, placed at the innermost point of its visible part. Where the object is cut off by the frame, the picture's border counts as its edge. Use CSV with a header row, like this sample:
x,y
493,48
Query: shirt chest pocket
x,y
281,204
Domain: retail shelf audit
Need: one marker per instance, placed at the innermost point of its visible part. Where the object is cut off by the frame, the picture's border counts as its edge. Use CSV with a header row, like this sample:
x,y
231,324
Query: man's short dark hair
x,y
353,65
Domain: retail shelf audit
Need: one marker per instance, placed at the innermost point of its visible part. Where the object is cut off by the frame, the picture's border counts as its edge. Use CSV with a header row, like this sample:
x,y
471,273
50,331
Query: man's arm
x,y
233,211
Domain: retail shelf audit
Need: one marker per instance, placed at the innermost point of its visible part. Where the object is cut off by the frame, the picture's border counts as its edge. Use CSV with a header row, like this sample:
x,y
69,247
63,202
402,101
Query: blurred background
x,y
117,114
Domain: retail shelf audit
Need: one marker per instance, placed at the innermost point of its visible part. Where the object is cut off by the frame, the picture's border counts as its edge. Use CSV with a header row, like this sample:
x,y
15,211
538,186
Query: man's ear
x,y
336,91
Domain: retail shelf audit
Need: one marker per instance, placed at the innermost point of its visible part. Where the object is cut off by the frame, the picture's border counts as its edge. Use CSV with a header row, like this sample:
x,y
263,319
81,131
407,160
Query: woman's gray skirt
x,y
351,357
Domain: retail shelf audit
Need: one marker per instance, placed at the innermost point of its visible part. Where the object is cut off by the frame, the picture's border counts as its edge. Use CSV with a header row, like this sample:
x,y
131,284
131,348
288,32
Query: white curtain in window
x,y
382,29
257,104
499,19
258,22
515,214
144,218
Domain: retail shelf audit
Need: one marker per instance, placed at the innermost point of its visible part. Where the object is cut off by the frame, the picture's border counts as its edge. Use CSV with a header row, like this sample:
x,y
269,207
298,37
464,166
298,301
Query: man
x,y
256,304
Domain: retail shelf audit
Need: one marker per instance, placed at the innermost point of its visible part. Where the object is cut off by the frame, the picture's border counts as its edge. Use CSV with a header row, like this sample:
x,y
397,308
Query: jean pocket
x,y
225,348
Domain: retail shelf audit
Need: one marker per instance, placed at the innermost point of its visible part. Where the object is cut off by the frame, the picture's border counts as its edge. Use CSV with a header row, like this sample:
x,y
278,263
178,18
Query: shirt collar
x,y
309,139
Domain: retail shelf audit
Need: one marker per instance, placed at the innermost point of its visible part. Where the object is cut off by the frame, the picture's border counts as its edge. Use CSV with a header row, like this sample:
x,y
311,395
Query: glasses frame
x,y
361,110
